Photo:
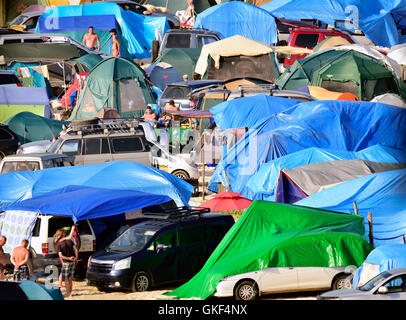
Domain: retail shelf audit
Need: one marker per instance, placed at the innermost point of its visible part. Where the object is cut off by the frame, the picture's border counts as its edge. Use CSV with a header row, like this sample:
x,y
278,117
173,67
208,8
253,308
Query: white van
x,y
42,248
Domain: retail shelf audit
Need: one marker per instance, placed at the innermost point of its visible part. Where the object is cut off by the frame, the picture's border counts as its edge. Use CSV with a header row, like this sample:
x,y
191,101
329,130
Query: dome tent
x,y
343,70
114,83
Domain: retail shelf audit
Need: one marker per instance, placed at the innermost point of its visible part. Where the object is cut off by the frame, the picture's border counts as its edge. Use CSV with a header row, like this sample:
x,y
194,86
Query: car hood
x,y
104,256
343,293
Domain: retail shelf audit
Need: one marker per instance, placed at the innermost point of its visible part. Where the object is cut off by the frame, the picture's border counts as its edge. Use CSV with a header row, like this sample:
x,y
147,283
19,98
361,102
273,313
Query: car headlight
x,y
88,262
122,264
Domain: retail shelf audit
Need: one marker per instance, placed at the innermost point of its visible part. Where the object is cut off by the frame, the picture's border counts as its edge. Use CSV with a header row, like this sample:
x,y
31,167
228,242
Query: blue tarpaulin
x,y
239,18
263,183
161,75
340,125
247,112
137,30
380,20
386,257
82,202
23,96
116,175
383,194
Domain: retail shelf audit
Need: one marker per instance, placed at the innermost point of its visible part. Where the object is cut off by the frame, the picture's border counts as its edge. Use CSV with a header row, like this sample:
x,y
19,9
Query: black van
x,y
170,246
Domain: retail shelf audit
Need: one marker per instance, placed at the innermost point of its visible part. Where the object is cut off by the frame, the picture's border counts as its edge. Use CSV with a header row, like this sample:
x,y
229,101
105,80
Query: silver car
x,y
388,285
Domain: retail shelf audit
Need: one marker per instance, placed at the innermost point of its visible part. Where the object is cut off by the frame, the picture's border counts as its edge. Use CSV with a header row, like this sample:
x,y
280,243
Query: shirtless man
x,y
115,44
90,39
3,258
149,115
19,258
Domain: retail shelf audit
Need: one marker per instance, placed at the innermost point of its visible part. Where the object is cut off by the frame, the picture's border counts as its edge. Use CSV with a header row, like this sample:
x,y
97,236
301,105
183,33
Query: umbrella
x,y
226,201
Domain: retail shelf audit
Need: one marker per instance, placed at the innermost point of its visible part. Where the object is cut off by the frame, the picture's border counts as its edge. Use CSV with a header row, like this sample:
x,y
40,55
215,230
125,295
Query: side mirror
x,y
383,290
161,246
156,152
146,13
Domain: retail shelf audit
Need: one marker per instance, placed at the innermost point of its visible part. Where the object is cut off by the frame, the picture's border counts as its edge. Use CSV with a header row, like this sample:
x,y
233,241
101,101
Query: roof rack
x,y
106,127
178,213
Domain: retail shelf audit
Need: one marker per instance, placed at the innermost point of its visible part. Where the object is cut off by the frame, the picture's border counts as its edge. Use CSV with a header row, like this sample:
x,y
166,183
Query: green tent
x,y
30,127
89,60
114,83
271,234
342,71
183,60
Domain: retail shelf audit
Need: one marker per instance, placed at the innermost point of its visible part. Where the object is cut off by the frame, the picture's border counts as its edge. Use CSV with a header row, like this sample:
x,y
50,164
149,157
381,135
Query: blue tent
x,y
247,112
263,183
385,257
380,20
82,202
340,125
239,18
161,74
115,175
137,30
383,194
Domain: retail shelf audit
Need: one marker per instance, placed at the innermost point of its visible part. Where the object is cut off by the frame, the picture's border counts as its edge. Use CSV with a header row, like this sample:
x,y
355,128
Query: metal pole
x,y
371,231
204,171
355,208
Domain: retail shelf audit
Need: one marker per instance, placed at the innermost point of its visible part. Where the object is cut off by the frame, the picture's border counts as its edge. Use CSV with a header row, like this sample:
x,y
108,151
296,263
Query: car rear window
x,y
192,234
13,166
309,40
178,41
56,223
202,40
8,79
123,145
5,135
172,92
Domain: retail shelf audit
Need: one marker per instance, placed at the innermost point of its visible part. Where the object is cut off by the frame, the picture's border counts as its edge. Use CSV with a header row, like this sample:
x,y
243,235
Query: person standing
x,y
90,39
115,44
3,258
68,254
19,258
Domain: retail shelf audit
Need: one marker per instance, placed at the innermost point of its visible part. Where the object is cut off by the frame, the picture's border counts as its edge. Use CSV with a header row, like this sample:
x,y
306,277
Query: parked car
x,y
40,146
165,247
388,285
47,38
305,37
33,162
9,141
184,38
26,21
179,92
42,248
285,25
133,6
121,141
9,77
251,285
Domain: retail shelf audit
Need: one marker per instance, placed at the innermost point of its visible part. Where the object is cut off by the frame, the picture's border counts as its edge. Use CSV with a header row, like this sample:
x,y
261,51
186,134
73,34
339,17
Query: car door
x,y
314,278
96,150
193,245
396,289
163,263
73,149
130,149
278,279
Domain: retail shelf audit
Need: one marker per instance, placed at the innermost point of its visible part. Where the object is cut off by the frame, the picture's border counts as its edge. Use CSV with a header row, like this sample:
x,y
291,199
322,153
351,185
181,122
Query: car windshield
x,y
133,239
52,148
374,281
14,166
18,20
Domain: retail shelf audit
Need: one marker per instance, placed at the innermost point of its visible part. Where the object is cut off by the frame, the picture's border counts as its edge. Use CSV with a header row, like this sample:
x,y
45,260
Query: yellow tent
x,y
229,47
323,94
52,3
331,42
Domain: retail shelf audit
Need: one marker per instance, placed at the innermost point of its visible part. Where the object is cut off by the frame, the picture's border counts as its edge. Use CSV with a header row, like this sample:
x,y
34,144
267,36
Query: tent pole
x,y
228,179
355,208
204,171
371,231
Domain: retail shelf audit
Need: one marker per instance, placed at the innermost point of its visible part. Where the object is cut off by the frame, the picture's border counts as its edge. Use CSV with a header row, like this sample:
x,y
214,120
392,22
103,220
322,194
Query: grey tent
x,y
300,182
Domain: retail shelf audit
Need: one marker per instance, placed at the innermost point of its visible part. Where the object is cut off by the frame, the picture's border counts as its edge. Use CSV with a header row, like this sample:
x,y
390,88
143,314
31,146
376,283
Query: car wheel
x,y
246,290
141,282
341,282
181,174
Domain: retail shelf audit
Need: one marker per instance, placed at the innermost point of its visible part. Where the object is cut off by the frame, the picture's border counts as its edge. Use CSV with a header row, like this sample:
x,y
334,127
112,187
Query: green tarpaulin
x,y
9,110
183,60
32,127
273,234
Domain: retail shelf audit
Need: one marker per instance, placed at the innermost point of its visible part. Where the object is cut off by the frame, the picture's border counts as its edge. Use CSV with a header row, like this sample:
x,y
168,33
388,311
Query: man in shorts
x,y
90,39
68,253
19,258
3,258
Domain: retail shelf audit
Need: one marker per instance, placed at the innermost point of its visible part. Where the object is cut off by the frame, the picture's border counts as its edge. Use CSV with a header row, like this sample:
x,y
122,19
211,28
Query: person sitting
x,y
194,123
149,114
169,107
